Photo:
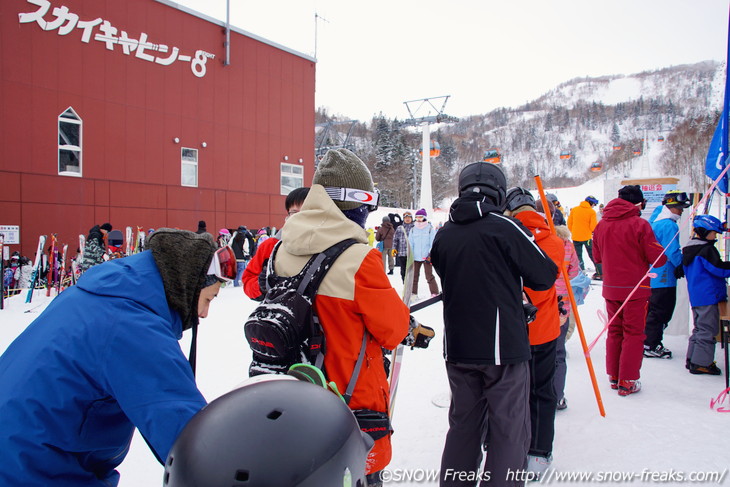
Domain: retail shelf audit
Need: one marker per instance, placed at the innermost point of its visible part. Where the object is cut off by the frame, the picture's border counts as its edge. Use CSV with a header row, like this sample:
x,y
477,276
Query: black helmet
x,y
517,197
486,178
275,432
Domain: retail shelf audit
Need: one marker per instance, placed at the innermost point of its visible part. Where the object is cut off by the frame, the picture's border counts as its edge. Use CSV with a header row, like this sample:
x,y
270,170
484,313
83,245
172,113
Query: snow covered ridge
x,y
700,85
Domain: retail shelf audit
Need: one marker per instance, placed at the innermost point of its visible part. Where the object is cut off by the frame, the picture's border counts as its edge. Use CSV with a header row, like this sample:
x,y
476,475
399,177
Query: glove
x,y
679,272
418,335
394,252
562,306
262,277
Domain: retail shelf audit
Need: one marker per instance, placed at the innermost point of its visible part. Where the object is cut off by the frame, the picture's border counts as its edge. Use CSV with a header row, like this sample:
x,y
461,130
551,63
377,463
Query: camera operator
x,y
483,259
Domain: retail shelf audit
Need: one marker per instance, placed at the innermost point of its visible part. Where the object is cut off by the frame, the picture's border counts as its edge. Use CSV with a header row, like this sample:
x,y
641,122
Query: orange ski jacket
x,y
354,298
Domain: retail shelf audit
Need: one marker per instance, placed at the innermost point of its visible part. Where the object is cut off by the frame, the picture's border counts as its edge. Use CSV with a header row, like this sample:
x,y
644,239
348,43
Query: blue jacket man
x,y
102,359
664,287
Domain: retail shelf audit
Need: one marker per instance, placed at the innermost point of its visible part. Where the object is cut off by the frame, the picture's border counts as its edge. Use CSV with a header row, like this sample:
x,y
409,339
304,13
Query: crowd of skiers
x,y
103,359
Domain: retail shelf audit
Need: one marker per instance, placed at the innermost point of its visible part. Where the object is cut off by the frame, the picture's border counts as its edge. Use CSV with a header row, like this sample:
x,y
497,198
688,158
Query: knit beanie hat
x,y
183,259
107,226
631,193
422,212
340,168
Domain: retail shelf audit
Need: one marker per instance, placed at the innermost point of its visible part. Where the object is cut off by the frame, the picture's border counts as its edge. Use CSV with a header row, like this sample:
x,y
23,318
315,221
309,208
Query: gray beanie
x,y
340,168
183,259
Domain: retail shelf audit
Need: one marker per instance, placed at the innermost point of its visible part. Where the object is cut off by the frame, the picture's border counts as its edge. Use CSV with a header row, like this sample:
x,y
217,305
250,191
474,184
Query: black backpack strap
x,y
356,372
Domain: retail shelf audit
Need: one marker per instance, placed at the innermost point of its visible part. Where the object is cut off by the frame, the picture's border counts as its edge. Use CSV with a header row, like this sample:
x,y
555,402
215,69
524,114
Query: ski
x,y
62,274
51,265
2,274
128,241
76,262
36,267
398,353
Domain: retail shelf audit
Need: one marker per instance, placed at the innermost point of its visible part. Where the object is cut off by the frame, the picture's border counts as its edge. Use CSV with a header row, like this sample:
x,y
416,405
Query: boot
x,y
613,380
711,369
657,352
626,387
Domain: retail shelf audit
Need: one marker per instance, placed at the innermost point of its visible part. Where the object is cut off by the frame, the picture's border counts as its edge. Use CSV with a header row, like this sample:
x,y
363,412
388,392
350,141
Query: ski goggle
x,y
369,198
223,265
677,199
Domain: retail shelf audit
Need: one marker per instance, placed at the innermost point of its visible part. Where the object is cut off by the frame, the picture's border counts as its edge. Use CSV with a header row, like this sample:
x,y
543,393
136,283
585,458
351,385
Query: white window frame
x,y
72,118
290,172
189,164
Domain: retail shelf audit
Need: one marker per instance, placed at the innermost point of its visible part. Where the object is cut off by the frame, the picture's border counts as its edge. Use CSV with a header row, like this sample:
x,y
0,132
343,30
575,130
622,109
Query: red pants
x,y
625,340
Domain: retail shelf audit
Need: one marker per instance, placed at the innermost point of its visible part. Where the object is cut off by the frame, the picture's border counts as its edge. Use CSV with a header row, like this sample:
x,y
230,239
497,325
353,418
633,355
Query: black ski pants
x,y
542,398
488,403
589,248
661,309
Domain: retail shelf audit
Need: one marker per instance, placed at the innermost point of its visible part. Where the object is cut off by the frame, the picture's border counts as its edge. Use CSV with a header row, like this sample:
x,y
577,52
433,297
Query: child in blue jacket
x,y
706,273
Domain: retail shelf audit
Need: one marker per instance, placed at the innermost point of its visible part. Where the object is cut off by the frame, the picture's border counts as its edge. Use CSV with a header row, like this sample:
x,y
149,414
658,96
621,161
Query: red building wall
x,y
250,114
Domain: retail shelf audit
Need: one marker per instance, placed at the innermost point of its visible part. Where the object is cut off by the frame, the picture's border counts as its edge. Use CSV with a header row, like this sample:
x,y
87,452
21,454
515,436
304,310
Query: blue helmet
x,y
709,223
592,200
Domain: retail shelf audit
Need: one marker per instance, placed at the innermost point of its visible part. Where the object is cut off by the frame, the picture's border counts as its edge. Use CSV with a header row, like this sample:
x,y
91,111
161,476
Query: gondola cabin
x,y
566,154
637,152
616,147
596,167
660,138
434,151
492,155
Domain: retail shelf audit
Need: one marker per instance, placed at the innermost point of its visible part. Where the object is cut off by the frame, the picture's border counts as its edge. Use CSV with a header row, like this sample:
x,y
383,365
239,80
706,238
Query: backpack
x,y
284,328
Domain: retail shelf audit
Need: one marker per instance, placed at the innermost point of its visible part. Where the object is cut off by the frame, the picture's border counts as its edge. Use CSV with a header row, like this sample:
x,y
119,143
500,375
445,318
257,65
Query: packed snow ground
x,y
668,429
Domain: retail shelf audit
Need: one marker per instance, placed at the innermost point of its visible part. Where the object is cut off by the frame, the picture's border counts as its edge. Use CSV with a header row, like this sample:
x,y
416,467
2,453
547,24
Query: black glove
x,y
679,272
562,306
418,336
262,277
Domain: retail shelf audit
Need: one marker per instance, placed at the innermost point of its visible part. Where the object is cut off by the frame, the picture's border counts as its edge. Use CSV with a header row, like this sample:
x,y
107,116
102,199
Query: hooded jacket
x,y
421,240
625,244
354,298
400,239
385,234
705,271
666,232
546,326
582,222
94,249
101,359
483,259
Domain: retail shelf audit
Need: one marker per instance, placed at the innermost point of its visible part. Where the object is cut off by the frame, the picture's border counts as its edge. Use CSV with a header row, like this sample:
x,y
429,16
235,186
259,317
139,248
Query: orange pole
x,y
573,305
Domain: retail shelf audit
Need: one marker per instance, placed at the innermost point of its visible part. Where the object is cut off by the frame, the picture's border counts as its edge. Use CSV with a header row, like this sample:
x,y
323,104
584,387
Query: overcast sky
x,y
374,55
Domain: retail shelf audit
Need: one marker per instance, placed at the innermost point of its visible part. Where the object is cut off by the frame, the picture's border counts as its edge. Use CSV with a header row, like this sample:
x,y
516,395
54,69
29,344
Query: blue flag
x,y
717,155
718,151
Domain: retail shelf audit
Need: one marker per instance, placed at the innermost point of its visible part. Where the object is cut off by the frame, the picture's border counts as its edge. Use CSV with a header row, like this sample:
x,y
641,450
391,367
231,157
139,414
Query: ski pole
x,y
574,306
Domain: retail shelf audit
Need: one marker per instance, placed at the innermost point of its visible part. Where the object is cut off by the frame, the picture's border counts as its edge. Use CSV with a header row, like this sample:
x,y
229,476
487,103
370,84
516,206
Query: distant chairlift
x,y
637,152
660,138
434,151
492,155
596,166
617,147
566,154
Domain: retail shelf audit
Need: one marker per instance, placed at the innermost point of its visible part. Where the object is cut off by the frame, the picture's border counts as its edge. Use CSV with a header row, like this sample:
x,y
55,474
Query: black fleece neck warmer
x,y
183,258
